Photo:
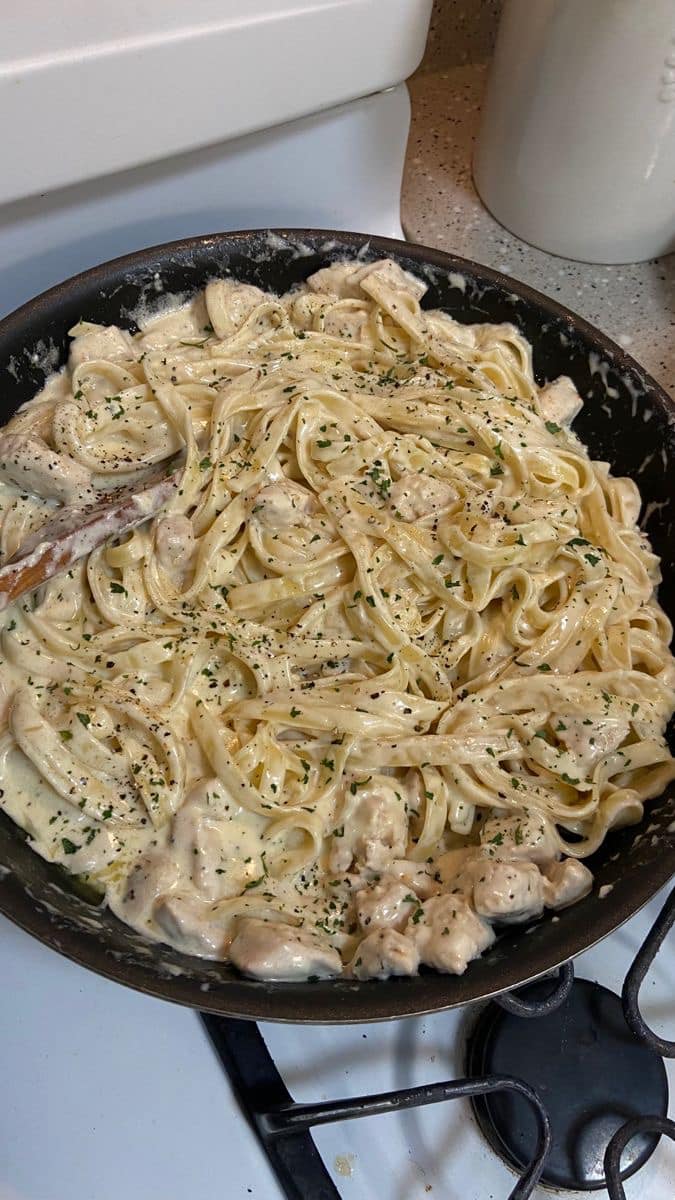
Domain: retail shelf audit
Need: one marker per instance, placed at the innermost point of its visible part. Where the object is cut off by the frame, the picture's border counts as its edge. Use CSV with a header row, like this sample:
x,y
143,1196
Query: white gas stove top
x,y
110,1094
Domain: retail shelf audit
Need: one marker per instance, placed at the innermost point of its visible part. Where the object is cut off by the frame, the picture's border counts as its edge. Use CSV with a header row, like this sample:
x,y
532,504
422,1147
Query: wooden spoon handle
x,y
76,532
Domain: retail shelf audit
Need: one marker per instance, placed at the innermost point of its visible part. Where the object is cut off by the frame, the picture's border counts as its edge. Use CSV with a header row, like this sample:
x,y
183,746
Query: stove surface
x,y
109,1093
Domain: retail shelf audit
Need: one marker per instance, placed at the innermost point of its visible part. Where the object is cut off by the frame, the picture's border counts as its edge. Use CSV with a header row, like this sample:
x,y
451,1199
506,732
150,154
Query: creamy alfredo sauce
x,y
341,704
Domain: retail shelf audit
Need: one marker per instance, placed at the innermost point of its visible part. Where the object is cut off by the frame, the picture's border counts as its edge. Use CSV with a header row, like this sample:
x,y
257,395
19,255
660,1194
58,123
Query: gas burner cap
x,y
590,1071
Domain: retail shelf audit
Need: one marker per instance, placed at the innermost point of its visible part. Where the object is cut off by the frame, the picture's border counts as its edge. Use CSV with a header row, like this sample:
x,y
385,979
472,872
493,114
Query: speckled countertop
x,y
634,304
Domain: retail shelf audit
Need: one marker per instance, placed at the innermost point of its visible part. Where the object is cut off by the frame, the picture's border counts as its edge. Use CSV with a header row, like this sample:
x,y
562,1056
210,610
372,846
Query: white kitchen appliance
x,y
133,125
142,122
576,152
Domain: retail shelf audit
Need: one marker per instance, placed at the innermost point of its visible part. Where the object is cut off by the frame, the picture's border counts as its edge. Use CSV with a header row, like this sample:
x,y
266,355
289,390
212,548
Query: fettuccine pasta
x,y
382,673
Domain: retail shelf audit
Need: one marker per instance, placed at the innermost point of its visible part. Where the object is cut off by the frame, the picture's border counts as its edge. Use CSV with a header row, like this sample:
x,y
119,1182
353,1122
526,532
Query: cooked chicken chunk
x,y
508,891
175,543
29,463
383,953
373,828
560,401
449,934
454,869
417,877
272,950
282,505
415,496
388,903
199,844
499,888
566,882
192,926
154,876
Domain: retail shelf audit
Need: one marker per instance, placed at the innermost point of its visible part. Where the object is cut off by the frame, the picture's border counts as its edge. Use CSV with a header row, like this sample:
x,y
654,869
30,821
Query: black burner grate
x,y
283,1126
591,1073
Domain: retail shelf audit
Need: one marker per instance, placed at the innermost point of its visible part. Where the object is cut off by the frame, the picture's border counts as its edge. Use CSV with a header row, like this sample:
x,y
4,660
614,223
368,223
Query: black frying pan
x,y
628,420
